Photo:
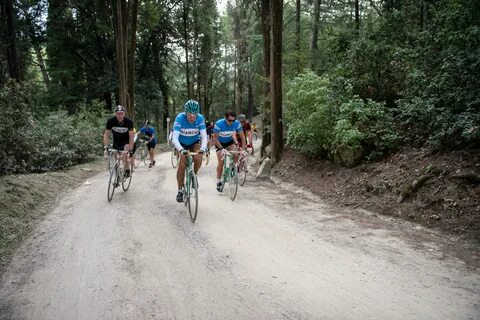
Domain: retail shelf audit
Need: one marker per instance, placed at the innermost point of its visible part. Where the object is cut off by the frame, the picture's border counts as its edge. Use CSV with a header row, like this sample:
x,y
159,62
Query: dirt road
x,y
273,253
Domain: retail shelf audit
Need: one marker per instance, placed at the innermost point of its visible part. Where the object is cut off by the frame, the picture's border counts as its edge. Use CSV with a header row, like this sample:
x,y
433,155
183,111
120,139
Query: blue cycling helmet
x,y
192,106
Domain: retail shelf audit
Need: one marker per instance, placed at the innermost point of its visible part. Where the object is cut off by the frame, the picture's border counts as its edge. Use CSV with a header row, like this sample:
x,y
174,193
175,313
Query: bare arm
x,y
106,136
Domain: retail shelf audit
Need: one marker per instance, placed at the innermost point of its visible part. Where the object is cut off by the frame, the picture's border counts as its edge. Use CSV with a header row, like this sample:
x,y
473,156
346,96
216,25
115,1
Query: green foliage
x,y
322,117
15,127
48,143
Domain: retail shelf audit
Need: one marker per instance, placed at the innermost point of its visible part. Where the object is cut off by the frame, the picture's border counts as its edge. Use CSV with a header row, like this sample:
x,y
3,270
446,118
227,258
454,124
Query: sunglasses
x,y
191,114
231,120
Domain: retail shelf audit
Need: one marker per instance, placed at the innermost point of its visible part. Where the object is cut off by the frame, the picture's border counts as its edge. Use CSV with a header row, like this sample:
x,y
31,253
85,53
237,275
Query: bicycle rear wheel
x,y
126,182
193,197
112,182
242,173
233,183
174,158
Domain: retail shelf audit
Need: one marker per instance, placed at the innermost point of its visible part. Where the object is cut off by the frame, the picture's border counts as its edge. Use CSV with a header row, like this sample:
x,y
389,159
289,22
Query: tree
x,y
314,37
125,26
276,80
8,18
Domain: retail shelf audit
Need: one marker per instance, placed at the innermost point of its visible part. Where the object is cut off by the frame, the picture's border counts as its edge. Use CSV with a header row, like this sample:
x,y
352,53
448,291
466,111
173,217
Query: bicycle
x,y
141,154
174,157
117,174
190,188
110,159
230,172
206,157
242,168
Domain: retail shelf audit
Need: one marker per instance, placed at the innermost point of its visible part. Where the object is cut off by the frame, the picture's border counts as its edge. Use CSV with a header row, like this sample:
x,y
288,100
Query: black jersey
x,y
120,130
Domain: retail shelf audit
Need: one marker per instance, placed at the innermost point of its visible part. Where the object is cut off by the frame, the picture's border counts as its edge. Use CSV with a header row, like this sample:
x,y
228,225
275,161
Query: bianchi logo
x,y
226,134
120,129
189,132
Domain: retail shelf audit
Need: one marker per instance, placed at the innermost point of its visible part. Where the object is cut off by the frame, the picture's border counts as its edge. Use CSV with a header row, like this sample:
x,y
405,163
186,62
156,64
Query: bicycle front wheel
x,y
174,158
193,198
233,183
137,159
112,182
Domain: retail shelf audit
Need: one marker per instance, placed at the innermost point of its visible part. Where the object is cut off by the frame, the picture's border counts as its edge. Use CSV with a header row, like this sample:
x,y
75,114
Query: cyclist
x,y
189,134
122,129
151,140
247,130
254,129
224,137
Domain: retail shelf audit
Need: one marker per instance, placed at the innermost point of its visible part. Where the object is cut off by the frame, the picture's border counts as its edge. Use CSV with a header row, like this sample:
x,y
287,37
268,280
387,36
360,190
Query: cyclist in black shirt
x,y
122,129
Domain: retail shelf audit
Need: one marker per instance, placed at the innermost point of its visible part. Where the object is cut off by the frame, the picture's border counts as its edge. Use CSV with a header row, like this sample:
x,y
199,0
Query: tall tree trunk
x,y
133,10
120,39
9,39
265,18
314,38
357,15
185,39
276,80
297,35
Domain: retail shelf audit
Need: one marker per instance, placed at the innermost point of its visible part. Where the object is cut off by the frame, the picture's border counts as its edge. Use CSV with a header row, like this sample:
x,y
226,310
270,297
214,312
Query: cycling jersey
x,y
225,131
120,131
189,133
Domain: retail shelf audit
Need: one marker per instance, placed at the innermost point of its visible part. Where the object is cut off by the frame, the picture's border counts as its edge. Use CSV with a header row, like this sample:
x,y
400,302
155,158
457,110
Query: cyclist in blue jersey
x,y
224,137
189,134
149,133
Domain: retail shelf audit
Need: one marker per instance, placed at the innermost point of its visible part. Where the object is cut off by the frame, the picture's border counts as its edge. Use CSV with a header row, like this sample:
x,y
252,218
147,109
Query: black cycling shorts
x,y
225,145
151,145
190,146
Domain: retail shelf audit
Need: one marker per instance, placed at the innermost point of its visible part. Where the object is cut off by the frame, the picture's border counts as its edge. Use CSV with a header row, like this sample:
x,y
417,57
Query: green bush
x,y
50,142
15,153
309,114
323,117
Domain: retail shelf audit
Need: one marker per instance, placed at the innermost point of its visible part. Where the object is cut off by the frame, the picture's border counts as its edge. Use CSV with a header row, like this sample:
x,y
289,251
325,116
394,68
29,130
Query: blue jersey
x,y
225,131
149,132
189,132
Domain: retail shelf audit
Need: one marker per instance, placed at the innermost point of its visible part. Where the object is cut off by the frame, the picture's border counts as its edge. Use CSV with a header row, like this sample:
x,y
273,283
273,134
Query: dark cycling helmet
x,y
119,108
192,106
242,117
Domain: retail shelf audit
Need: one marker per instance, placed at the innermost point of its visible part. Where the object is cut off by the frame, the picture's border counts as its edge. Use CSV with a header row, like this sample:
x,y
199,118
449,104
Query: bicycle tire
x,y
174,158
242,174
193,198
137,160
144,154
126,182
112,182
110,162
233,183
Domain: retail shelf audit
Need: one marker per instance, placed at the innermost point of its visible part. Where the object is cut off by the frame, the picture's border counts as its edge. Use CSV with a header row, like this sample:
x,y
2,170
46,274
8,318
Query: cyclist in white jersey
x,y
224,137
189,134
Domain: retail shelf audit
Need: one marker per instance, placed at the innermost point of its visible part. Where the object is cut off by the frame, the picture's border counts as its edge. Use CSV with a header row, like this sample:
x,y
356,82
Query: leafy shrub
x,y
14,128
365,124
309,114
322,117
50,142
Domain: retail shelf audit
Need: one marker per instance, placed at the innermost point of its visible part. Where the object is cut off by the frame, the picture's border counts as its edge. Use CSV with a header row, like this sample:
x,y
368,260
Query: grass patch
x,y
26,198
